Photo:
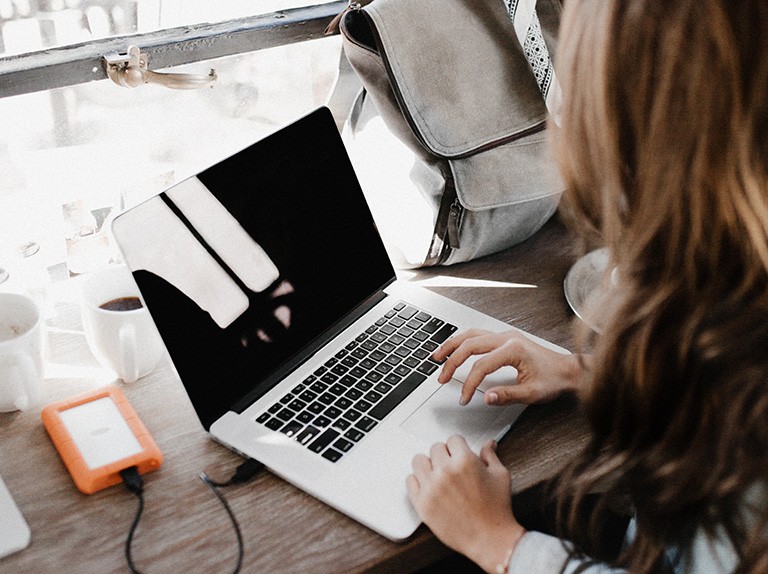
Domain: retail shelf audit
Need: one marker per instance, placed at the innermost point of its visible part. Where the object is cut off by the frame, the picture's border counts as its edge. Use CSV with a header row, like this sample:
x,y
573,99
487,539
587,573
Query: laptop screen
x,y
252,260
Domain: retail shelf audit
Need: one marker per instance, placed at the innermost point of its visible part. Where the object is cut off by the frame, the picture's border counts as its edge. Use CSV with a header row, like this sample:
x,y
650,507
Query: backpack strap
x,y
525,21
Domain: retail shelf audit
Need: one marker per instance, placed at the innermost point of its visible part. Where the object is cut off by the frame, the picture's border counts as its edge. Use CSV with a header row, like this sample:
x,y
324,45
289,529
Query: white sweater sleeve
x,y
538,553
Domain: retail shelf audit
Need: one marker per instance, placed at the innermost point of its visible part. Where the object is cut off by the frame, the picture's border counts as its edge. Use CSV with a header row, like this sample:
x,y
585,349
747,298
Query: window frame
x,y
80,63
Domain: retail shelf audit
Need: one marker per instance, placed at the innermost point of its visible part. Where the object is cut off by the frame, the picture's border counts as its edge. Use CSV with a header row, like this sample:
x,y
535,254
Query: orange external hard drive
x,y
98,434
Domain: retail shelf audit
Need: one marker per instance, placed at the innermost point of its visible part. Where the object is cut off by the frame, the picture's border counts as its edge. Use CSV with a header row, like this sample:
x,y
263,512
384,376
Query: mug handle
x,y
23,376
129,367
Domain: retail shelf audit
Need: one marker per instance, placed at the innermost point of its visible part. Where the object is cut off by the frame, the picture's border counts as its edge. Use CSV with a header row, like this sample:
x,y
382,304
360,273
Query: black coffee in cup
x,y
122,304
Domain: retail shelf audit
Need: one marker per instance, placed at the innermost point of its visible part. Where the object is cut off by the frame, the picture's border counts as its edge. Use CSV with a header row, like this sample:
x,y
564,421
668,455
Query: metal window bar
x,y
81,63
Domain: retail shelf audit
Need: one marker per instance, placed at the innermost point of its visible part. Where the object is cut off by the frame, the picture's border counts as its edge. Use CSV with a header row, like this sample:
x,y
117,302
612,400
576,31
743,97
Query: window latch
x,y
130,71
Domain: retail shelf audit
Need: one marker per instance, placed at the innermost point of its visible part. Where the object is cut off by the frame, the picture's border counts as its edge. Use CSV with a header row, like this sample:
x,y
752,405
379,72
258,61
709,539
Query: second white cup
x,y
118,327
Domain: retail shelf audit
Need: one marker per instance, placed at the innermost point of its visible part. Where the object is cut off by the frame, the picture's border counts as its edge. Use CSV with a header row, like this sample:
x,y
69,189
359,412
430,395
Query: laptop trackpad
x,y
441,416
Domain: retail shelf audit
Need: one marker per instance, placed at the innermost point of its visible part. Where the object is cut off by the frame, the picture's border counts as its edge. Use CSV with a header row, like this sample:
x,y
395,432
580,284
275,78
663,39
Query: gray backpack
x,y
452,83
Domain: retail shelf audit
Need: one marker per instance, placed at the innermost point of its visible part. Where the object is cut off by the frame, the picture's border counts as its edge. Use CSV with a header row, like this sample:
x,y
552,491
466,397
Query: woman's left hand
x,y
465,499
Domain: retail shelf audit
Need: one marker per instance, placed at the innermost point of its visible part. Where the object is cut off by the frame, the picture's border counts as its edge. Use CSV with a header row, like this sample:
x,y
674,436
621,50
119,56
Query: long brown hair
x,y
663,148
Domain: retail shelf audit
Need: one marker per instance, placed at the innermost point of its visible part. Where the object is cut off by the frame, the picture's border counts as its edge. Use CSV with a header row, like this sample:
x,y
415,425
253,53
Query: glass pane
x,y
73,157
32,25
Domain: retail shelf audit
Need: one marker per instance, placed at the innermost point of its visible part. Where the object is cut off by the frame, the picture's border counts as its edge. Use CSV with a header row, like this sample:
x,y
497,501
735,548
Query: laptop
x,y
15,534
290,331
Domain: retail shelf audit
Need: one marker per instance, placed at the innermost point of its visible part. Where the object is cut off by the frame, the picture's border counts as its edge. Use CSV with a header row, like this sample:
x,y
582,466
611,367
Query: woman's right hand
x,y
542,374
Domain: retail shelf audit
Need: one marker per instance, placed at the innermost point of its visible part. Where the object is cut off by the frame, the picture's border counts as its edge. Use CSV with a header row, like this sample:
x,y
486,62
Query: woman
x,y
664,150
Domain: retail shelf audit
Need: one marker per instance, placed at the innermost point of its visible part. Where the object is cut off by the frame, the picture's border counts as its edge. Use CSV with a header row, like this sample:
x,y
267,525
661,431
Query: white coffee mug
x,y
21,353
117,324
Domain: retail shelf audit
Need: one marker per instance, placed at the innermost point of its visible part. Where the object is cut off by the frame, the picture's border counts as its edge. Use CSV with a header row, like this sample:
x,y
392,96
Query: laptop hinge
x,y
309,351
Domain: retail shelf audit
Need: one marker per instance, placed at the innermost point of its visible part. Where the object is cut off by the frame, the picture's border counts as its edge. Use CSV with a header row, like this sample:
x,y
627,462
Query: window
x,y
74,151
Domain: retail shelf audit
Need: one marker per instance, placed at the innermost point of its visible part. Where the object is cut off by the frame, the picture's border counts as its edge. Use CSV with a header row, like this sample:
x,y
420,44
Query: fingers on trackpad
x,y
503,376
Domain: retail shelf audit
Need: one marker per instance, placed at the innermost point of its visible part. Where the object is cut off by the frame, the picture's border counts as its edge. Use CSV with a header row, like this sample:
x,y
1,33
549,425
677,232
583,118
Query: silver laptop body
x,y
296,343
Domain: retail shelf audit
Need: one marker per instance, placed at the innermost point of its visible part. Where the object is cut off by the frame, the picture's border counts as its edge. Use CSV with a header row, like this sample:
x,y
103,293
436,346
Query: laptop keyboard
x,y
331,410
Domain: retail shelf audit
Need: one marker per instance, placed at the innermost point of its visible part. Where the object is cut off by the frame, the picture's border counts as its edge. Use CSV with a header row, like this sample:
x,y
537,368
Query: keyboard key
x,y
285,414
443,333
393,379
377,355
332,412
412,362
365,424
326,398
363,405
364,385
423,317
407,312
329,378
359,353
339,370
354,394
428,367
373,376
316,408
354,435
421,335
337,389
429,346
297,405
274,424
396,396
347,380
412,343
343,403
305,417
292,428
383,388
422,353
321,421
332,455
341,424
318,387
367,363
264,417
433,325
358,372
387,329
396,339
406,332
324,440
343,445
352,415
308,396
306,436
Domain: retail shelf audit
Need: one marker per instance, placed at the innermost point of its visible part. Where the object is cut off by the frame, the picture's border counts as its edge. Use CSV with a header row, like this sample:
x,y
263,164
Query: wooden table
x,y
184,529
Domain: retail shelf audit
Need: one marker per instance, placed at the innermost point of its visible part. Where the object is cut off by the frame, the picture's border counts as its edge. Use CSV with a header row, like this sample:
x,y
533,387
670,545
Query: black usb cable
x,y
135,484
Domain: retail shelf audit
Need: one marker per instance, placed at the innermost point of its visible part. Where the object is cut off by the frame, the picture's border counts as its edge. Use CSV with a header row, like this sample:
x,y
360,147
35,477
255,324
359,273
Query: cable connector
x,y
132,479
243,473
247,471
